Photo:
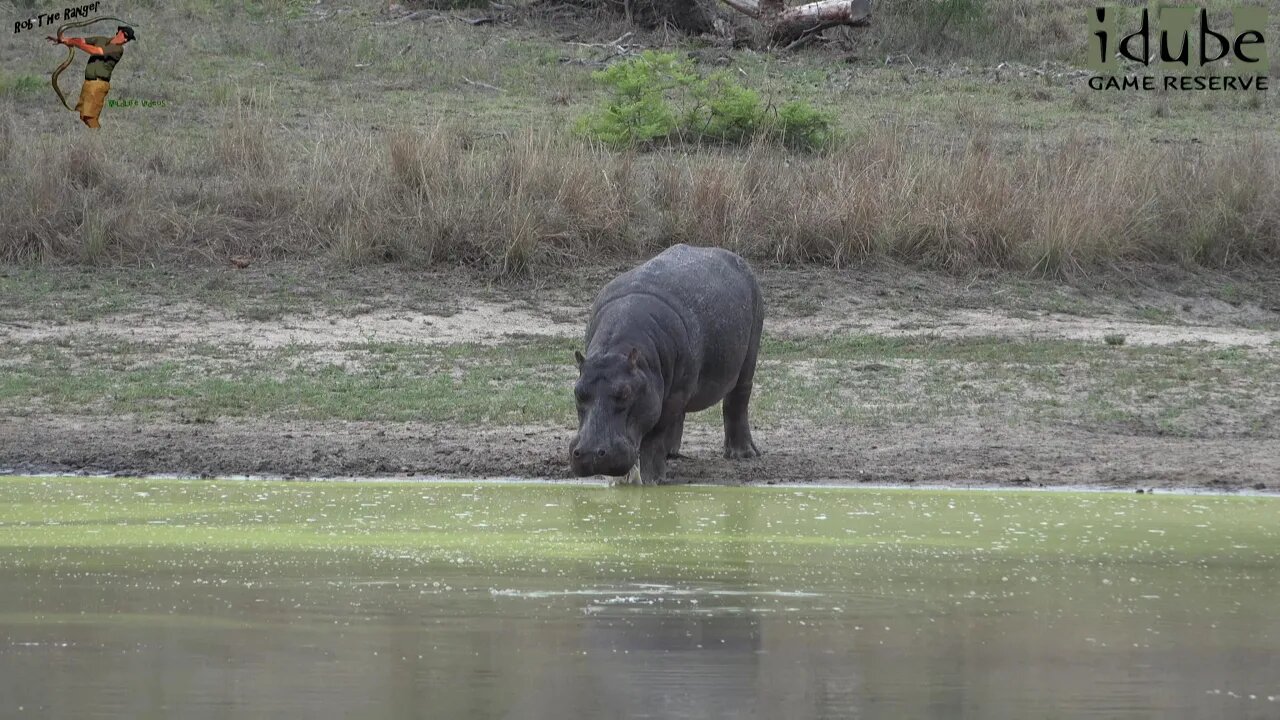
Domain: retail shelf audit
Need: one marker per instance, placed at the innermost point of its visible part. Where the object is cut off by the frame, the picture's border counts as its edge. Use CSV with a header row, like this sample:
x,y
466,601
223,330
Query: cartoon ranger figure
x,y
104,52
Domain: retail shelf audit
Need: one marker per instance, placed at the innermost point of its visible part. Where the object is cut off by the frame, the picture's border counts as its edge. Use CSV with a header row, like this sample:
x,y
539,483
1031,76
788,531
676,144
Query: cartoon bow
x,y
71,52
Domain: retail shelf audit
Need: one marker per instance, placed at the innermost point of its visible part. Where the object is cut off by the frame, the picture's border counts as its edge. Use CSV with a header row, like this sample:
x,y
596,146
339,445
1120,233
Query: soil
x,y
966,453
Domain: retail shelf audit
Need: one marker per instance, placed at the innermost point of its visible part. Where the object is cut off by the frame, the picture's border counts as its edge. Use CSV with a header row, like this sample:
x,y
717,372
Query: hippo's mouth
x,y
585,468
617,462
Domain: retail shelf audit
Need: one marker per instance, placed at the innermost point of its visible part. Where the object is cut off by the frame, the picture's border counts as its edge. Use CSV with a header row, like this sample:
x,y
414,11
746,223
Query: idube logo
x,y
1178,49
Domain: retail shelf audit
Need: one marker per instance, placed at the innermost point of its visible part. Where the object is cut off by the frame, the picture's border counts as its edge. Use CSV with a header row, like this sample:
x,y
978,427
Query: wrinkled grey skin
x,y
675,335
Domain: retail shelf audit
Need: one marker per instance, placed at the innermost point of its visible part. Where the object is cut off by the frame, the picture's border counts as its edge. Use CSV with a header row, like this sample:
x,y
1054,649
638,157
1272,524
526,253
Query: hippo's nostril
x,y
600,453
577,453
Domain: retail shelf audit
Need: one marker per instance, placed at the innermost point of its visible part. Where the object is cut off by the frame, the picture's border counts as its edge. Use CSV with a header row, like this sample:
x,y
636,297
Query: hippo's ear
x,y
577,357
633,357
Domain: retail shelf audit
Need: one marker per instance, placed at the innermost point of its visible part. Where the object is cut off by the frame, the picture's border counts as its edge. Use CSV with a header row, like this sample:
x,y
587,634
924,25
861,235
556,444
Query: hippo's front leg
x,y
651,465
653,457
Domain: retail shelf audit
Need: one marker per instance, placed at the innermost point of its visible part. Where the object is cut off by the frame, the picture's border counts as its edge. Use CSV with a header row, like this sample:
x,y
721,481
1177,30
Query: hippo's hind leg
x,y
737,428
674,434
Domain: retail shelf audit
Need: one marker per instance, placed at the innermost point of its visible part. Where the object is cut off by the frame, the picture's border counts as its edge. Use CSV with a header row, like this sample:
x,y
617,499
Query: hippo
x,y
675,335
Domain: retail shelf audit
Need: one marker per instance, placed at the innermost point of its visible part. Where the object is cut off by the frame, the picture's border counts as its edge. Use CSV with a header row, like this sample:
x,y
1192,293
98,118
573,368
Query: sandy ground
x,y
966,453
490,322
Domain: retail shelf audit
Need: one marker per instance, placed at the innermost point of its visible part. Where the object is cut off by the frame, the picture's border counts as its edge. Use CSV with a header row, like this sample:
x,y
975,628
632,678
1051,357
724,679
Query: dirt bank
x,y
1234,450
966,455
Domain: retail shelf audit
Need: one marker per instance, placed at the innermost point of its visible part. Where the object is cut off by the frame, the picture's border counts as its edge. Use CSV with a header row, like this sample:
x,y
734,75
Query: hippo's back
x,y
710,286
706,302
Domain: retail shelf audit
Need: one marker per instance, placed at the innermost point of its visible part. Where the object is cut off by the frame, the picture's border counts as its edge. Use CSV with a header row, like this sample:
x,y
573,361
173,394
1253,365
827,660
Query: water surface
x,y
148,598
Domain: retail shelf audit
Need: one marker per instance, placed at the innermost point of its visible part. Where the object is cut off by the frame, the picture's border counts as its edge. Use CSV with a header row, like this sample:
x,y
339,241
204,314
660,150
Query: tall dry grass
x,y
1061,210
529,201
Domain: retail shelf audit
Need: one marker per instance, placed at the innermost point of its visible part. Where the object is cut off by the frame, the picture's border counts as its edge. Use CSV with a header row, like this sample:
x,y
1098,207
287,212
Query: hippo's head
x,y
616,407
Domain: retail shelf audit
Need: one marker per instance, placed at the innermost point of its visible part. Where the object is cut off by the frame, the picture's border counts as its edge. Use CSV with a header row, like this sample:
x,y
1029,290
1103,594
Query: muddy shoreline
x,y
968,455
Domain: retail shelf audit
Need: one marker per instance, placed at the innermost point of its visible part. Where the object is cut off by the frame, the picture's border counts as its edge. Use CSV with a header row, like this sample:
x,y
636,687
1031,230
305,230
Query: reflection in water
x,y
263,600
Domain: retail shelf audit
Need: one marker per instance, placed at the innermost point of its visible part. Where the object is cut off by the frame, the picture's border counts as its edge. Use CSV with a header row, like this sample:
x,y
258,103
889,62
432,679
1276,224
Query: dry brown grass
x,y
1064,210
533,200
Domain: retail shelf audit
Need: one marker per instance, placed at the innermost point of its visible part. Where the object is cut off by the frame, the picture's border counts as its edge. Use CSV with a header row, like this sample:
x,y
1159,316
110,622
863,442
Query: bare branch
x,y
476,83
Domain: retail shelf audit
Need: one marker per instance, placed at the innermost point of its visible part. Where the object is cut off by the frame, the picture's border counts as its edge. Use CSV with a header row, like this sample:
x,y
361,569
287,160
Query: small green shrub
x,y
628,122
638,112
726,111
803,125
649,72
659,97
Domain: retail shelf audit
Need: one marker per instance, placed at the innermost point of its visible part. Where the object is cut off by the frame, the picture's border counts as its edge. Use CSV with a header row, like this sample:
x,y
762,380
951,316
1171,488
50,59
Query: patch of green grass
x,y
69,294
33,293
467,384
851,380
1162,316
21,84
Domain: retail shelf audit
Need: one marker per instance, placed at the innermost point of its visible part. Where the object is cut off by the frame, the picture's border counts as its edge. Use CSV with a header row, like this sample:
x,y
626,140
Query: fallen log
x,y
788,24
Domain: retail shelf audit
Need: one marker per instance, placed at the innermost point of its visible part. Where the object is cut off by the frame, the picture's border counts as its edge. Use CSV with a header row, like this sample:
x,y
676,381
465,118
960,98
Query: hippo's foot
x,y
631,478
737,430
651,467
741,451
635,476
675,433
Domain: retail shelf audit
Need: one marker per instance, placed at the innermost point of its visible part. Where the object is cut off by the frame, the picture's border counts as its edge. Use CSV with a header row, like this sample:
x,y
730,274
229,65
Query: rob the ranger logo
x,y
1182,54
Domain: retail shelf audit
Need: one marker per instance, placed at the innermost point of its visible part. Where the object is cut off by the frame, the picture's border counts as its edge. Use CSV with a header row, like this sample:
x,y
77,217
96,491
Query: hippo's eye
x,y
623,395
